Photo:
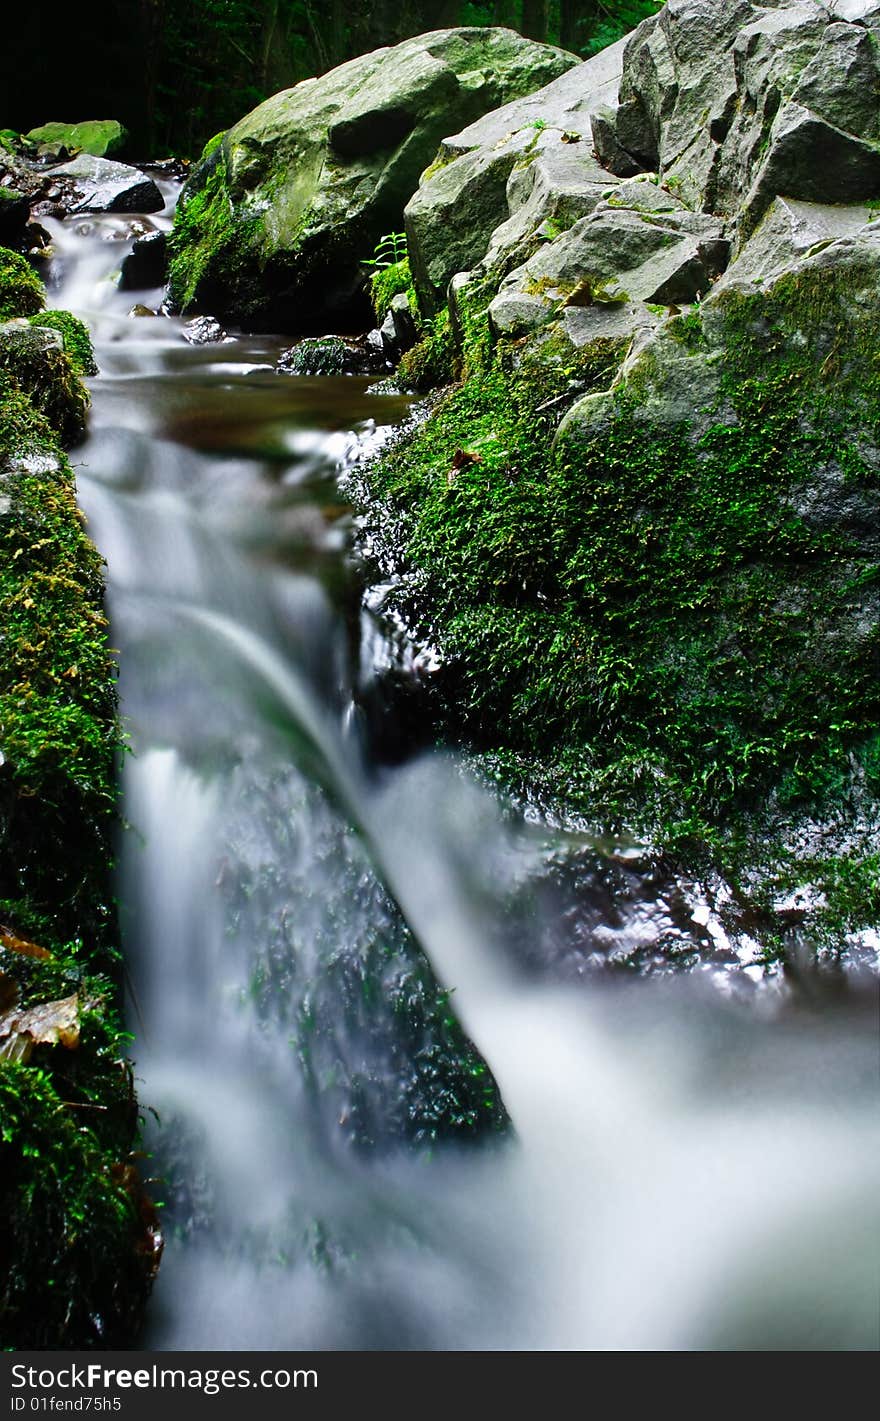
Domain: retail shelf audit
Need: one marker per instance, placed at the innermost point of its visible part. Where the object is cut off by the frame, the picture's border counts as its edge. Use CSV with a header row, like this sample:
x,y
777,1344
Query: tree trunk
x,y
534,19
506,12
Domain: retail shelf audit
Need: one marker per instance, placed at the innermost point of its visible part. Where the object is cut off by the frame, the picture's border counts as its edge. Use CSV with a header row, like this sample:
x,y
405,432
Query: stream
x,y
670,1156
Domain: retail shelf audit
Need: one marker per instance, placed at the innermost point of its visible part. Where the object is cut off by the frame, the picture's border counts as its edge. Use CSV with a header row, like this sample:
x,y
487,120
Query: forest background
x,y
175,72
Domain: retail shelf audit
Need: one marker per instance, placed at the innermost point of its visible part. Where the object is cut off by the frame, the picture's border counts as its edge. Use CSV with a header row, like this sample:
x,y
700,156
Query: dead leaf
x,y
20,944
582,295
49,1024
568,137
463,457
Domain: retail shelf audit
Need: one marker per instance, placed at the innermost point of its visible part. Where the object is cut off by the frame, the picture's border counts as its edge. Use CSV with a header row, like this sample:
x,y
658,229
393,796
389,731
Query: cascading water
x,y
680,1170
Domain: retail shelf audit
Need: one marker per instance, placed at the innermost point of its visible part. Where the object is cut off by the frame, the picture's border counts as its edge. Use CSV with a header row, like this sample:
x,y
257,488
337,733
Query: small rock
x,y
331,355
110,187
203,330
140,310
146,264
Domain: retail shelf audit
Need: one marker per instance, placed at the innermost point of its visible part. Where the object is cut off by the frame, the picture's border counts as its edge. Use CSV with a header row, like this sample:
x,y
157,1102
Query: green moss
x,y
21,291
203,245
58,731
432,362
389,282
69,1224
77,341
654,622
443,159
46,376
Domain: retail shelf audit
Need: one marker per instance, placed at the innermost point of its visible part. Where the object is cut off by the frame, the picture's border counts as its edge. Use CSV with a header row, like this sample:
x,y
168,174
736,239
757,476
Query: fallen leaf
x,y
21,945
49,1024
462,457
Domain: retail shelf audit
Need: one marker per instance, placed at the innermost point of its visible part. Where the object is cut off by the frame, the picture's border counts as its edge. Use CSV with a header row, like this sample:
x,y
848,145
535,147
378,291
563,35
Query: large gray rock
x,y
622,253
103,186
737,103
789,231
275,224
528,162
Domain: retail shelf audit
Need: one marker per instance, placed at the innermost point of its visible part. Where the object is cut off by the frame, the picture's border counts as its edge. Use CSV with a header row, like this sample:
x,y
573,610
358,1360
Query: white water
x,y
689,1169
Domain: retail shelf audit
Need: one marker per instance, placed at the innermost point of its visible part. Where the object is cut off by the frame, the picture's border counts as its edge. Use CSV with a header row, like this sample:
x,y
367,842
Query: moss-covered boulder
x,y
275,222
21,291
34,361
100,137
641,524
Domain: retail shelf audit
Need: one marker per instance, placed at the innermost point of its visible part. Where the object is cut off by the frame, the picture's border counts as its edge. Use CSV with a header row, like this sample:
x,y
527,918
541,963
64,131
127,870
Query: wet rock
x,y
146,264
102,186
203,330
36,238
14,211
139,310
331,355
274,224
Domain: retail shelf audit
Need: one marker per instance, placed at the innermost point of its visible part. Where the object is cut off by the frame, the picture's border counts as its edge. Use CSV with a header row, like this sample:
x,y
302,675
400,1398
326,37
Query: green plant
x,y
388,251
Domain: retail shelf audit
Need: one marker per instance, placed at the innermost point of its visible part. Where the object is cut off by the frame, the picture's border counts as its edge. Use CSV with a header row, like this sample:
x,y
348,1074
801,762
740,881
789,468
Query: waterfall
x,y
384,1108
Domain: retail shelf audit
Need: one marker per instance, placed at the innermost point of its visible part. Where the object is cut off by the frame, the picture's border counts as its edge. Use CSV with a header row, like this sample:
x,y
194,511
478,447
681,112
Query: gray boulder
x,y
789,231
102,186
618,255
738,103
528,162
276,221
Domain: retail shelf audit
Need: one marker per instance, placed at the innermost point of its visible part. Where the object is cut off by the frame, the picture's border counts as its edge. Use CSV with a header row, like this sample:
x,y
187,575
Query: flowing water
x,y
683,1163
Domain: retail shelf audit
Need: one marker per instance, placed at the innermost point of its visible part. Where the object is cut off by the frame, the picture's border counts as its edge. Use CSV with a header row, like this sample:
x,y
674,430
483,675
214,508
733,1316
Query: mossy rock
x,y
274,224
21,291
75,336
666,607
75,1250
99,137
34,361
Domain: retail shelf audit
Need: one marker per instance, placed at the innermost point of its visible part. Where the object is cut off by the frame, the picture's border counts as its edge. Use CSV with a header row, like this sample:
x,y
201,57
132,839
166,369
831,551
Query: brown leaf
x,y
463,457
49,1024
582,295
20,944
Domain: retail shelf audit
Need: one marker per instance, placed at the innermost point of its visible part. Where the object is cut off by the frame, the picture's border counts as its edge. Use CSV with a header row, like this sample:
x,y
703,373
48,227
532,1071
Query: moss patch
x,y
77,341
21,291
389,282
203,244
46,377
676,629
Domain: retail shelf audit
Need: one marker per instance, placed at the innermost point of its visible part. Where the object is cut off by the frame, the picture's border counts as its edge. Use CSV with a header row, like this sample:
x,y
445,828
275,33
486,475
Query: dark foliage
x,y
176,71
